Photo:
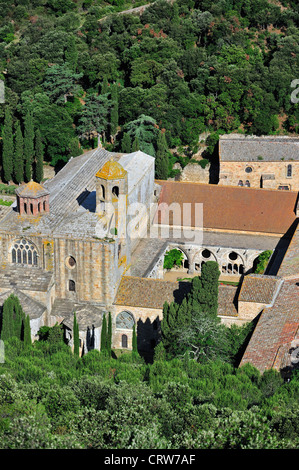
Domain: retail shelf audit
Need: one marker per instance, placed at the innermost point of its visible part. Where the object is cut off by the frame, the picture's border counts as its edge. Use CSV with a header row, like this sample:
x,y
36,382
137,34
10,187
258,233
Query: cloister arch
x,y
232,263
201,257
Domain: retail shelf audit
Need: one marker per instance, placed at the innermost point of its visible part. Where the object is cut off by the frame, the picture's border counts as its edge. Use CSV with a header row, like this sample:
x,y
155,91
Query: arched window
x,y
124,341
72,285
125,321
289,171
25,207
44,204
103,191
24,252
115,191
31,208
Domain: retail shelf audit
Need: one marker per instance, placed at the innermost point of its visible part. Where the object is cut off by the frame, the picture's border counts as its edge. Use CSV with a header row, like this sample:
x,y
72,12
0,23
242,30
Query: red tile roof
x,y
276,329
232,208
258,288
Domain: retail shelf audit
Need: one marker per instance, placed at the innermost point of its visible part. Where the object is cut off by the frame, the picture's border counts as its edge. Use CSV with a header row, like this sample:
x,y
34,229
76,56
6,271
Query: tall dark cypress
x,y
104,335
76,336
7,319
18,161
71,53
161,162
8,147
28,145
126,143
134,341
109,335
114,110
39,158
27,332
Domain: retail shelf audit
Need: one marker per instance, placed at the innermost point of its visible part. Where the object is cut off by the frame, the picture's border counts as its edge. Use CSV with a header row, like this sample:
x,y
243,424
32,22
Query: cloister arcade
x,y
231,261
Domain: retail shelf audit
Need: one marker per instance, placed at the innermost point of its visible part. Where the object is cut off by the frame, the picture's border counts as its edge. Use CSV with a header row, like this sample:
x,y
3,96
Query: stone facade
x,y
269,162
267,175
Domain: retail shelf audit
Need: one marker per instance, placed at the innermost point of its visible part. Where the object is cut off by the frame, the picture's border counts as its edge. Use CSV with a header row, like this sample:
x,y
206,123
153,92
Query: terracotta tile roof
x,y
31,189
290,264
259,288
152,293
227,305
111,170
149,293
277,328
232,208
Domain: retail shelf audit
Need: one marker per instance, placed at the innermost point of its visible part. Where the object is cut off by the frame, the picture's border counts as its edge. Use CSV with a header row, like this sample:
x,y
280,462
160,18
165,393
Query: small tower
x,y
32,199
112,191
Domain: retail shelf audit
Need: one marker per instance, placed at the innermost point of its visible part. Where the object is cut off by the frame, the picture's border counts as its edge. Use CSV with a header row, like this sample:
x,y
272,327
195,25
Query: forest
x,y
76,72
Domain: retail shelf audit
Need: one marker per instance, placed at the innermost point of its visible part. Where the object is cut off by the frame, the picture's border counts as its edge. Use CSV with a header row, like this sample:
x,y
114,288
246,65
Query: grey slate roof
x,y
87,314
73,198
25,278
67,189
240,148
30,306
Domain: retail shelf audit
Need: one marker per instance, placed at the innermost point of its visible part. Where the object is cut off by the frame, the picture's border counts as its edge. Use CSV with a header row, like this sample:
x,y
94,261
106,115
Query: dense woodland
x,y
76,71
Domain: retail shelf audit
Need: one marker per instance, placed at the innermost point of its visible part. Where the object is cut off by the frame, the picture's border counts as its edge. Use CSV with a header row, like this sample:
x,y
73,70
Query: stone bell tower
x,y
112,194
32,199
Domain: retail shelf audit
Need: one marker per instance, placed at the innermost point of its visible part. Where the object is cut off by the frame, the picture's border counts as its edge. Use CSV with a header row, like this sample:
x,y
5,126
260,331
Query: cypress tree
x,y
203,297
135,145
71,53
18,171
76,336
39,158
18,318
7,319
134,341
104,335
105,86
109,335
161,162
8,147
114,110
27,332
28,145
126,143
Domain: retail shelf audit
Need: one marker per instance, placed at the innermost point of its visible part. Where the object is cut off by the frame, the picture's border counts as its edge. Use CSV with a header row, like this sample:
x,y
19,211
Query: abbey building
x,y
92,240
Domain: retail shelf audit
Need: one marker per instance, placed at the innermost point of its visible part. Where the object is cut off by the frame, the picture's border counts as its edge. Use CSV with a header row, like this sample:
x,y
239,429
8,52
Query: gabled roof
x,y
259,288
247,148
277,328
230,208
30,306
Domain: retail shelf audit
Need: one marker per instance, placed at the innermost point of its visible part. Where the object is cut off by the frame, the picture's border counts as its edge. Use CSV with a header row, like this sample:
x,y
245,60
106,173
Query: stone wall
x,y
195,173
268,175
147,321
95,273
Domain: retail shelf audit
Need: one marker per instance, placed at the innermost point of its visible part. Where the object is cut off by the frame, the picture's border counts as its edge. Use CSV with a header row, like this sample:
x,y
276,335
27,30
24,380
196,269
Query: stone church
x,y
92,240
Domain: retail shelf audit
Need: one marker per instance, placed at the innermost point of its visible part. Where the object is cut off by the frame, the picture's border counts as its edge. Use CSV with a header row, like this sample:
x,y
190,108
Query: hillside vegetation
x,y
154,81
